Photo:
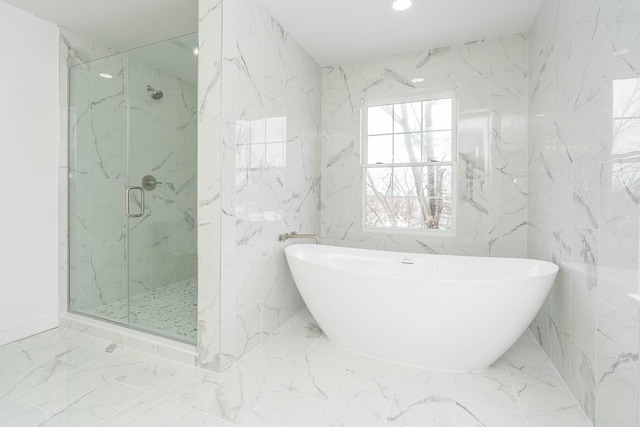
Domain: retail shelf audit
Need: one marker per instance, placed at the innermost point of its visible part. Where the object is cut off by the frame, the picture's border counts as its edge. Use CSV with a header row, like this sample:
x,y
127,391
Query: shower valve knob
x,y
149,182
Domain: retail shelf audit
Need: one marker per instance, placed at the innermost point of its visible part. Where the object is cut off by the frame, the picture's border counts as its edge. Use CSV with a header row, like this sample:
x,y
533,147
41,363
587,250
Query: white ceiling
x,y
332,31
340,31
119,24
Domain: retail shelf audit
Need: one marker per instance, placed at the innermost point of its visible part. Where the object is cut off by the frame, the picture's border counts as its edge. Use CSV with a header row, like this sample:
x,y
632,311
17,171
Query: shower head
x,y
155,94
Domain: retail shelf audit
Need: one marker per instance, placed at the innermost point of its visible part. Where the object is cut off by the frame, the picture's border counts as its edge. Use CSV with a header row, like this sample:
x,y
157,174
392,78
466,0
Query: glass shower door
x,y
132,189
162,169
97,226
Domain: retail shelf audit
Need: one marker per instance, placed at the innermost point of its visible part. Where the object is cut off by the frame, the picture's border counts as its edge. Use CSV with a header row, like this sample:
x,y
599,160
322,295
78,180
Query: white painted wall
x,y
29,147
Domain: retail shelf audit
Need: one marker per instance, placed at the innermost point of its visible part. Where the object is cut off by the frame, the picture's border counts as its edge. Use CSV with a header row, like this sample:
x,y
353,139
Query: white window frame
x,y
418,96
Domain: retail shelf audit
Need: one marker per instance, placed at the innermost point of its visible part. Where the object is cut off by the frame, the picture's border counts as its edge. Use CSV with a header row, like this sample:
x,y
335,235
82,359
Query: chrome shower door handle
x,y
127,203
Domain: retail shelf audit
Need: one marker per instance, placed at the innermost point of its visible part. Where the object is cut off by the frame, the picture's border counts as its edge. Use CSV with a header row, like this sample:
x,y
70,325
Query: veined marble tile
x,y
296,340
80,355
36,375
195,418
16,412
282,409
420,396
526,363
51,343
491,387
356,401
202,375
240,394
62,390
92,408
473,414
162,405
149,375
14,357
318,372
550,407
617,368
509,54
382,372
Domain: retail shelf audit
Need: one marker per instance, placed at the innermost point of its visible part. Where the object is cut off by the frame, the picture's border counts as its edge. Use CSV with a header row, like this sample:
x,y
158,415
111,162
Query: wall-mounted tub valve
x,y
294,235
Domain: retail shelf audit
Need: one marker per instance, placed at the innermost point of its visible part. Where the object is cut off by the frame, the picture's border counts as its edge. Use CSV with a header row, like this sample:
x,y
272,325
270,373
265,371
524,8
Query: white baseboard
x,y
32,327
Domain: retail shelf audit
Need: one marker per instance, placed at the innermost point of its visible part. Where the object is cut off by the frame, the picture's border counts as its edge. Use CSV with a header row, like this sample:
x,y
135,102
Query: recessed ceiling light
x,y
417,80
195,51
401,5
105,75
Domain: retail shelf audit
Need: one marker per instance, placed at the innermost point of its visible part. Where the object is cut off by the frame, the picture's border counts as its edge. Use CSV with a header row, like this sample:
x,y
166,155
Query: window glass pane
x,y
380,149
408,212
412,196
407,117
407,148
404,181
379,182
626,134
626,98
446,216
379,212
436,181
436,146
438,214
437,114
380,119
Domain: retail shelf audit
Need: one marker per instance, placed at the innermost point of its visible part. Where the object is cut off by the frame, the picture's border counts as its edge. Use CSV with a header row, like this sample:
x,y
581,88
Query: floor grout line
x,y
566,386
298,340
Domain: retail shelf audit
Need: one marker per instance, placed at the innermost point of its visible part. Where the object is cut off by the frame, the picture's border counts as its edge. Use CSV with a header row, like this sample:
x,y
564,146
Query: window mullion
x,y
403,207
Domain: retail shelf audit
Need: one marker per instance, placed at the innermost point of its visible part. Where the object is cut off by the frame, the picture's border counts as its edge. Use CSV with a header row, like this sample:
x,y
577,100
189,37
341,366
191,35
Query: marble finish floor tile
x,y
170,310
282,409
298,378
92,408
17,412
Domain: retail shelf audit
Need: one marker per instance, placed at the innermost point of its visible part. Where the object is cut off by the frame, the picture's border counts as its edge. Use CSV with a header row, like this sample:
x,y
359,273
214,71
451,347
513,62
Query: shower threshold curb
x,y
137,340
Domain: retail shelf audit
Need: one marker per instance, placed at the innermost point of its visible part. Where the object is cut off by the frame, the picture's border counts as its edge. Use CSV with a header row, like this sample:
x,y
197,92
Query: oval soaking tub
x,y
447,312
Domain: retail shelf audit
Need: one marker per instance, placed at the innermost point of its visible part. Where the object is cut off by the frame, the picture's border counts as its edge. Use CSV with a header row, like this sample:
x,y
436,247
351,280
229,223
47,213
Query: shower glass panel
x,y
132,228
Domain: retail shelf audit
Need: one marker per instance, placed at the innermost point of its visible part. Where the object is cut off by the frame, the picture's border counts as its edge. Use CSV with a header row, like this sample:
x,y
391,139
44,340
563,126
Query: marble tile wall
x,y
162,142
491,80
117,137
270,171
583,211
74,49
96,180
209,165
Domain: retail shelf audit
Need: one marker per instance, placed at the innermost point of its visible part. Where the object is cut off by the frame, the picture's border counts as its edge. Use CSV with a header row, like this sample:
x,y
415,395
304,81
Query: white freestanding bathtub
x,y
454,313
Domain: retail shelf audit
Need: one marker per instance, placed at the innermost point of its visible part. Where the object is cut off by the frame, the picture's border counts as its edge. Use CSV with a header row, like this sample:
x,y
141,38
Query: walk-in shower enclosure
x,y
132,188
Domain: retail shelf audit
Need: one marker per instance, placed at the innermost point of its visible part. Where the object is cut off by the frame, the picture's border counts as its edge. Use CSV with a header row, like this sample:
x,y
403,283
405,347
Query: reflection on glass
x,y
261,143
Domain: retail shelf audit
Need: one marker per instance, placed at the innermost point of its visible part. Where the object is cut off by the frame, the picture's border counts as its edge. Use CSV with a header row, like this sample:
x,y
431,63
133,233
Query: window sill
x,y
411,231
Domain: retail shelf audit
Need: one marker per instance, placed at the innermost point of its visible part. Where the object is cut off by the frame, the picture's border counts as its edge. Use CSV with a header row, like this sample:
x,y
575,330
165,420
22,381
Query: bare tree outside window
x,y
409,163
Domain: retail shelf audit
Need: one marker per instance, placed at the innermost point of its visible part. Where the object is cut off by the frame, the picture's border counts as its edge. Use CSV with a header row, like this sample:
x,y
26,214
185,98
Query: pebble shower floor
x,y
170,310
